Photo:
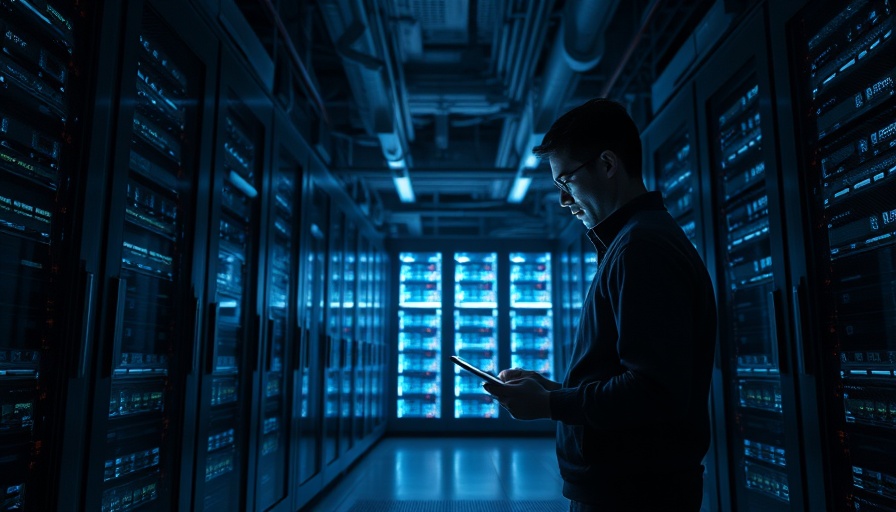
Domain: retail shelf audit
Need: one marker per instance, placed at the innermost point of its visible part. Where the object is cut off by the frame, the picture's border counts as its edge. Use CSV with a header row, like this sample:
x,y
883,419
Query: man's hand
x,y
519,373
524,399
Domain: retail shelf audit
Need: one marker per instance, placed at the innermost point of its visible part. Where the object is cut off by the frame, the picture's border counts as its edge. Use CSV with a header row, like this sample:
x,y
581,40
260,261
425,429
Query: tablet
x,y
476,371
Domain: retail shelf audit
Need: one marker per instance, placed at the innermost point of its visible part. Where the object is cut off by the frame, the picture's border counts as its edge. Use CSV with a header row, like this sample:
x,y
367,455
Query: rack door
x,y
763,445
136,457
845,59
671,147
419,335
335,343
42,45
308,415
531,313
379,357
348,311
475,330
233,320
273,432
364,305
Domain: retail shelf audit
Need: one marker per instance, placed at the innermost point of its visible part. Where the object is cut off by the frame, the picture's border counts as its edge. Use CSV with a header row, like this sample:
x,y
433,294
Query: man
x,y
633,407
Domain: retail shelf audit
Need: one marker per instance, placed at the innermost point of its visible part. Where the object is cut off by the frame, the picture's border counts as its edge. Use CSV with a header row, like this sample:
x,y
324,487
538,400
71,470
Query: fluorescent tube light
x,y
403,186
531,161
519,189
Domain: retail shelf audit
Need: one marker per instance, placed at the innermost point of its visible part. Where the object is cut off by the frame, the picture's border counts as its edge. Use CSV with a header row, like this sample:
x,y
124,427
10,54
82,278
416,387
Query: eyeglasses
x,y
563,184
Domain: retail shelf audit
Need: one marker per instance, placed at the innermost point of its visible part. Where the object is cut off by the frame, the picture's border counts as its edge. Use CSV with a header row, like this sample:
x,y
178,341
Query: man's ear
x,y
611,161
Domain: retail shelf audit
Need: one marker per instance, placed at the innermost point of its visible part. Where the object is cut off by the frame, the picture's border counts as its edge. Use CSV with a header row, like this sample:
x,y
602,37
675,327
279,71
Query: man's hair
x,y
592,127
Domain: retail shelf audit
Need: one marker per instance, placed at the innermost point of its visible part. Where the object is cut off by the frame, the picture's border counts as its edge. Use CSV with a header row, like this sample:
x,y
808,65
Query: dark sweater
x,y
634,402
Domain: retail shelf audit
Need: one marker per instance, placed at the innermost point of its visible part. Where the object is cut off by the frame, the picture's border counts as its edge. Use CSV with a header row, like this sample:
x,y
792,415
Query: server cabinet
x,y
572,282
763,450
671,149
531,313
381,348
671,146
843,62
361,425
309,412
419,335
144,376
224,462
347,310
273,435
475,330
562,348
491,307
335,344
43,365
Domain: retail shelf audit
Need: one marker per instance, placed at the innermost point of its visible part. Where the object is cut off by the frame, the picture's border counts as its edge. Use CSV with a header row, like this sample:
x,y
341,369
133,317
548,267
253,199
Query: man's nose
x,y
565,198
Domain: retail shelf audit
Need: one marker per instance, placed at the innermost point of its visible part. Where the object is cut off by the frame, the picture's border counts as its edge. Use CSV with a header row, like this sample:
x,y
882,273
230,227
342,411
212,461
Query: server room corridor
x,y
436,474
240,241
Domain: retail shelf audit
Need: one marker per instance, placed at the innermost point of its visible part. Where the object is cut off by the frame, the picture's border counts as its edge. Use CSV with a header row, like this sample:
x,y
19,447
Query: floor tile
x,y
449,474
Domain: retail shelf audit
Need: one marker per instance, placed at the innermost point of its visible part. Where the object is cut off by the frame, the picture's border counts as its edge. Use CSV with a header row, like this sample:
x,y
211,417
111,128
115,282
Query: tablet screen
x,y
476,371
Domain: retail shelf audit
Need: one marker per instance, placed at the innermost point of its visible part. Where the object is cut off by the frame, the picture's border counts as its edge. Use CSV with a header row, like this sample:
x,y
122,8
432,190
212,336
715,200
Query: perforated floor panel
x,y
459,506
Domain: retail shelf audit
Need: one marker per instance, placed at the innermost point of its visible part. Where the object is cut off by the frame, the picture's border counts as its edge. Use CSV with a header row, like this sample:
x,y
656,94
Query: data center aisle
x,y
515,474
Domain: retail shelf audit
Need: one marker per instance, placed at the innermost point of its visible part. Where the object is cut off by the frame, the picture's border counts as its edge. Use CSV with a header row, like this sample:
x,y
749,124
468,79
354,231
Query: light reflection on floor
x,y
452,469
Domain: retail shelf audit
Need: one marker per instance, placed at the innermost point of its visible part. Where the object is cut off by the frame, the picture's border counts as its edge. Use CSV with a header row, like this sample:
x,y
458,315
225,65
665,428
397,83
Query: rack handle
x,y
87,317
804,352
197,313
119,290
270,345
774,318
213,312
255,346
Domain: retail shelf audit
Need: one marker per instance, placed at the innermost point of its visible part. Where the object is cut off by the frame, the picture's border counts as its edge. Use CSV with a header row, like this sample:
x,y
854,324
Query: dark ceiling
x,y
450,96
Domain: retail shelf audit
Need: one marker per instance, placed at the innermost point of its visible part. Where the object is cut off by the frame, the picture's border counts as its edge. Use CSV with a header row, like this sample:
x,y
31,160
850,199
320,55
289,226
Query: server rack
x,y
763,452
671,145
531,312
231,360
274,435
335,343
361,360
382,306
348,312
457,297
144,375
312,358
419,335
671,149
43,355
842,59
578,264
475,330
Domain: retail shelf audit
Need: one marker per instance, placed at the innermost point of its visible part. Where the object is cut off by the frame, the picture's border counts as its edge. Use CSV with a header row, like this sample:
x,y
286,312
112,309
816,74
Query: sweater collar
x,y
603,234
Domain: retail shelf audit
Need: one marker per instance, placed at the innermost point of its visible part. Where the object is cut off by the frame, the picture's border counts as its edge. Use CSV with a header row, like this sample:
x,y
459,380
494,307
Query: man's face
x,y
585,187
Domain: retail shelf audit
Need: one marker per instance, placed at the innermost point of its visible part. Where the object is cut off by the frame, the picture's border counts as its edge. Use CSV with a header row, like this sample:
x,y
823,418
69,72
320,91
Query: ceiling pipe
x,y
534,41
507,142
365,51
608,86
389,39
305,78
577,48
499,38
522,46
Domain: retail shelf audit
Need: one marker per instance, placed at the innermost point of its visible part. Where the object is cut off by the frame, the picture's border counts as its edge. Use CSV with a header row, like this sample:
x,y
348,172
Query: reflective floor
x,y
506,473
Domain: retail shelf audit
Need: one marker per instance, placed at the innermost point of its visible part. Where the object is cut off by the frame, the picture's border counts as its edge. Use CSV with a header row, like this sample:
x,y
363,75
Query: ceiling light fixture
x,y
519,189
531,161
402,181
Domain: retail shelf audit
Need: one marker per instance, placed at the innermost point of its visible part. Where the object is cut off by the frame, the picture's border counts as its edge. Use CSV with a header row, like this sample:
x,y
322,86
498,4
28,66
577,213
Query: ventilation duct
x,y
577,48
